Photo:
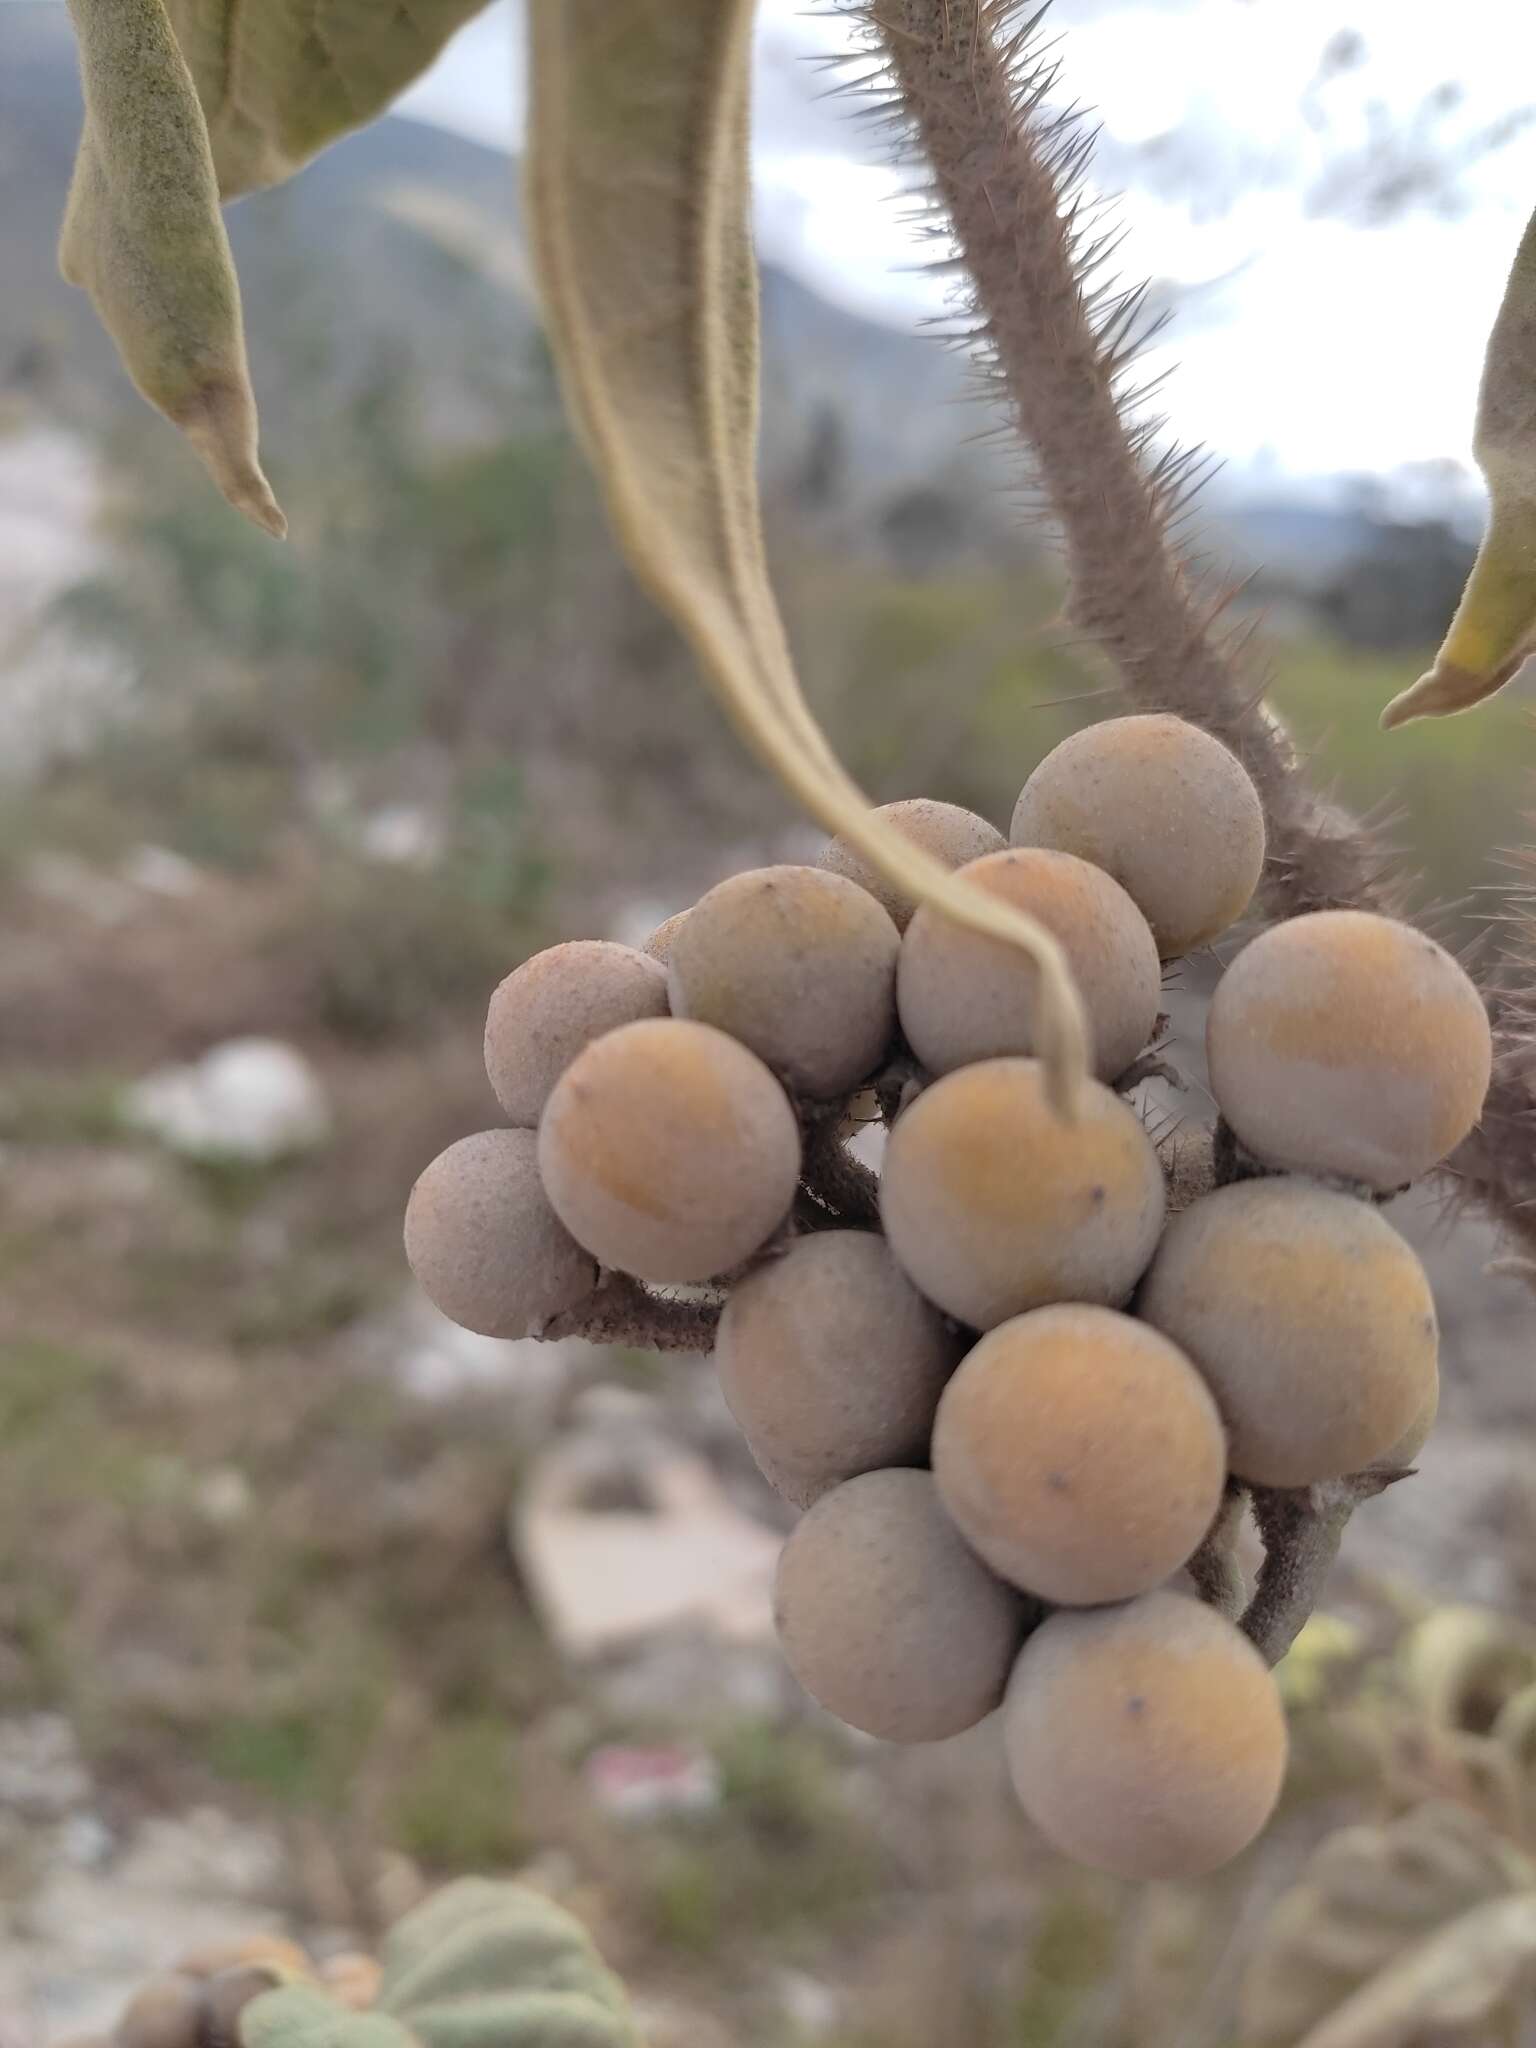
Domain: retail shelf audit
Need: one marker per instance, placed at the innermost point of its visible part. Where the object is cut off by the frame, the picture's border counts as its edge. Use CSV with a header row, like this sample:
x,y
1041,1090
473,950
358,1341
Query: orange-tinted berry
x,y
669,1150
1147,1740
994,1204
1348,1044
1080,1454
1162,807
1310,1318
964,997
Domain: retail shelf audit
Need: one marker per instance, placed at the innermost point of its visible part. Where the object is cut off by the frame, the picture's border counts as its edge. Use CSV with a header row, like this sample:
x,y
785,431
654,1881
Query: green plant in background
x,y
1425,1918
478,1965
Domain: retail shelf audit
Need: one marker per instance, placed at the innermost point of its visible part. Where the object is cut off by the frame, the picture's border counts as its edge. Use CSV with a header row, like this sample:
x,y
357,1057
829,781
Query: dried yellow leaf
x,y
1462,1664
1494,629
143,234
1429,1921
637,181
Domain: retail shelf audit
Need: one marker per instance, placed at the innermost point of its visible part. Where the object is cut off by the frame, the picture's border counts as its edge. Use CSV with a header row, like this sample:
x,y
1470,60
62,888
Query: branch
x,y
837,1182
1215,1567
1302,1529
620,1311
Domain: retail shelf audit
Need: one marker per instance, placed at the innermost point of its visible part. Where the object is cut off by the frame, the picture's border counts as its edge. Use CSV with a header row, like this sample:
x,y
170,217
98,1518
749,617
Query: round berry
x,y
1146,1740
965,997
1346,1043
950,834
1310,1318
1080,1454
484,1243
887,1619
1165,809
555,1003
993,1204
669,1150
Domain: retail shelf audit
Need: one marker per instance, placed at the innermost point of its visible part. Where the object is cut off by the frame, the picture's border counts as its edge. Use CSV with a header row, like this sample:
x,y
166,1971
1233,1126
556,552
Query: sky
x,y
1313,179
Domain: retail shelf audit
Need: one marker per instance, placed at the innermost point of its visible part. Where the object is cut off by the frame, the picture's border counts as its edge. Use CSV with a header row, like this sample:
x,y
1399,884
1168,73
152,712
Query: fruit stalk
x,y
1215,1568
621,1311
1302,1528
837,1182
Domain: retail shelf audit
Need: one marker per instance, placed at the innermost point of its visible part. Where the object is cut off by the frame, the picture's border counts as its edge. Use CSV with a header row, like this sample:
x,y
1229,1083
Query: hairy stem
x,y
836,1181
620,1311
1302,1529
1215,1568
1497,1165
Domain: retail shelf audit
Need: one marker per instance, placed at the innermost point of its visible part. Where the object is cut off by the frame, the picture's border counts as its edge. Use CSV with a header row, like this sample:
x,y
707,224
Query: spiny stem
x,y
1497,1165
972,86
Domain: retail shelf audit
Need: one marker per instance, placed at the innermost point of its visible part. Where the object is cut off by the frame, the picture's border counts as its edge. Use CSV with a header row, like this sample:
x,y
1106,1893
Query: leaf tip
x,y
1451,686
262,507
221,425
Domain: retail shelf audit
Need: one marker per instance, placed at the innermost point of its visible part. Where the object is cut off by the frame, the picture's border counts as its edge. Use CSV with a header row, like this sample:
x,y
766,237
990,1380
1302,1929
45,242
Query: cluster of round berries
x,y
1008,1389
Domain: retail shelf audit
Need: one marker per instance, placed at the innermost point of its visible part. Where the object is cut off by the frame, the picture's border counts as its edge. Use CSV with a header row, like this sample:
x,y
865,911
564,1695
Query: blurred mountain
x,y
403,244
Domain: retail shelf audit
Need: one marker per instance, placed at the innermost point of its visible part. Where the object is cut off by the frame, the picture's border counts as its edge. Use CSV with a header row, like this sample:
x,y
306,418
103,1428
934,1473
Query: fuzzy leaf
x,y
280,79
1429,1921
478,1940
300,2016
485,1965
521,2019
187,101
1494,629
637,179
437,1919
478,1965
143,234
